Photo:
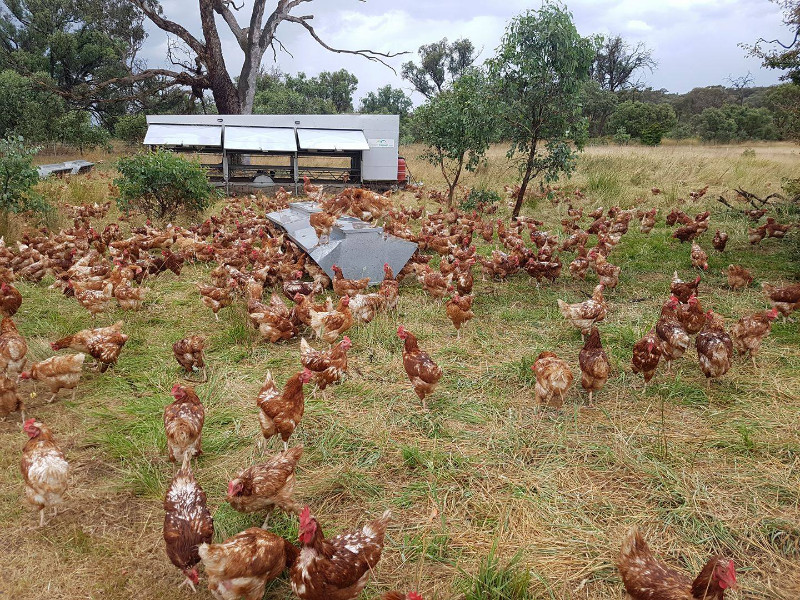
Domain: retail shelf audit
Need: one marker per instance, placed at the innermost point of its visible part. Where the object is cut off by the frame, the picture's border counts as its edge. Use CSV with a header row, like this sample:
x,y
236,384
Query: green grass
x,y
490,497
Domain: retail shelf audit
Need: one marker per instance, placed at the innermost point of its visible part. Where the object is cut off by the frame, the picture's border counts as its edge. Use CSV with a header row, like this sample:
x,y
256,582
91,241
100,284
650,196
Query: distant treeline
x,y
713,114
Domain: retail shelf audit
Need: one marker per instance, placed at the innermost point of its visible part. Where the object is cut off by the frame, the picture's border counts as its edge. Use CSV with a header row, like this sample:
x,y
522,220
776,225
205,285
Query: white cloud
x,y
636,25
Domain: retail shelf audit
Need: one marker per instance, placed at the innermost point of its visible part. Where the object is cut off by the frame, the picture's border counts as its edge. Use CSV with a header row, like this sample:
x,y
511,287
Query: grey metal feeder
x,y
359,248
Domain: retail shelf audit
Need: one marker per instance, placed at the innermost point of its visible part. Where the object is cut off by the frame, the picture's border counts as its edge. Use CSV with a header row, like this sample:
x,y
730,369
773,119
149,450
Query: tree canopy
x,y
68,46
456,127
440,63
387,100
645,121
540,69
326,93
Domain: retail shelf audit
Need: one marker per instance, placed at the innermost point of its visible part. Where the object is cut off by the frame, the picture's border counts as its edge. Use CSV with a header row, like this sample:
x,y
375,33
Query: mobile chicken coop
x,y
246,152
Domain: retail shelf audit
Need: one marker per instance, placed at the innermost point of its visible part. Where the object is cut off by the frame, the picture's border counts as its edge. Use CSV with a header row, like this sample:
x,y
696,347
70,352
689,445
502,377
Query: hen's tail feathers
x,y
634,550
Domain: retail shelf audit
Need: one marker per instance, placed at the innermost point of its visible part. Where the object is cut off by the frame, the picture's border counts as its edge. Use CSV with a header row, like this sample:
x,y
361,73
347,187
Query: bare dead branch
x,y
728,204
180,78
171,27
372,55
173,48
222,7
282,47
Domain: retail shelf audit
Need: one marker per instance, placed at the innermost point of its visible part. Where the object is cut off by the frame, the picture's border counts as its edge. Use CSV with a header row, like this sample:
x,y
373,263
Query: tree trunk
x,y
247,81
525,179
225,93
253,43
452,186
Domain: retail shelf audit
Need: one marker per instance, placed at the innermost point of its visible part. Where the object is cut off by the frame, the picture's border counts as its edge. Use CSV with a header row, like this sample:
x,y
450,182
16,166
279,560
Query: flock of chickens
x,y
97,268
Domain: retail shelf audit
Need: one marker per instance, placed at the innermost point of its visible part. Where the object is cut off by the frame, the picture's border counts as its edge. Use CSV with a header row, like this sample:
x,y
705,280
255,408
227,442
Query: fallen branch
x,y
728,204
752,198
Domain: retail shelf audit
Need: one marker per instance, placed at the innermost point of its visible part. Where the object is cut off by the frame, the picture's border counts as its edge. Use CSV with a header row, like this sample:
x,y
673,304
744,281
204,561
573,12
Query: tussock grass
x,y
490,498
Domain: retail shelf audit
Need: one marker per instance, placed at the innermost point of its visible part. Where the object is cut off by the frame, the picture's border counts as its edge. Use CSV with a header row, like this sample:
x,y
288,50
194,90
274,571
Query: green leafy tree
x,y
131,129
440,63
783,101
326,93
598,105
275,97
456,127
386,101
646,122
75,129
335,88
68,46
698,99
390,101
735,123
161,184
17,178
540,69
27,110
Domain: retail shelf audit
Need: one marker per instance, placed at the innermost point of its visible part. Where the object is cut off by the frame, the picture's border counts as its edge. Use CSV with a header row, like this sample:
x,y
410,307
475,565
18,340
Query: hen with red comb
x,y
337,568
647,578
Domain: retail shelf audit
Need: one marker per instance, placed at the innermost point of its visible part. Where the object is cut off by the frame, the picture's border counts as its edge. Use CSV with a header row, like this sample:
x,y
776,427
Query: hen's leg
x,y
41,517
188,582
267,516
590,399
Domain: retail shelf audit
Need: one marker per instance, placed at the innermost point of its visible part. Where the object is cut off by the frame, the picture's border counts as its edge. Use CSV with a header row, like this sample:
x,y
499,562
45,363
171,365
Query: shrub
x,y
792,189
17,178
681,131
75,129
161,184
622,137
652,134
646,121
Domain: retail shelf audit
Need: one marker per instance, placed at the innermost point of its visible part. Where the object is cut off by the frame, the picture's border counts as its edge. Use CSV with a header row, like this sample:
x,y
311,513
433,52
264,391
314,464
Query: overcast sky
x,y
694,41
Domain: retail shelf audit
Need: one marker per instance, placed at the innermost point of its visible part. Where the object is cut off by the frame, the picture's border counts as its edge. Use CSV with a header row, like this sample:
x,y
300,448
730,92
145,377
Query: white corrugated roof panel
x,y
332,139
260,139
183,135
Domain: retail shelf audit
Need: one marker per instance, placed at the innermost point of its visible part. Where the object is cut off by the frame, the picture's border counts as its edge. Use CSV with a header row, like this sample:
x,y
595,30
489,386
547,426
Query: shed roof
x,y
183,135
261,139
332,139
